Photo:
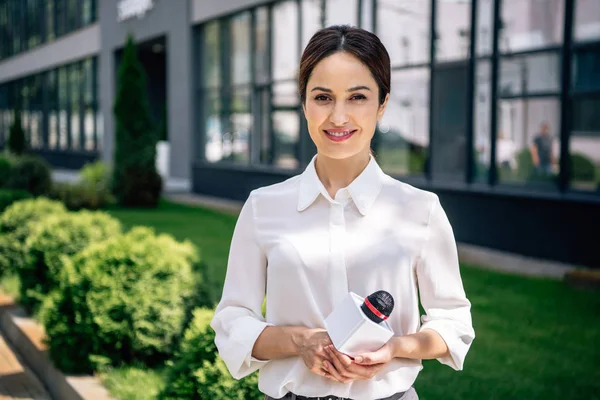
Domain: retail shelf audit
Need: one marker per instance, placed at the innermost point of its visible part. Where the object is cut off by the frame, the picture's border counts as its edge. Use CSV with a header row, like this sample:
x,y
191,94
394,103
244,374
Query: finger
x,y
368,359
342,358
334,372
340,368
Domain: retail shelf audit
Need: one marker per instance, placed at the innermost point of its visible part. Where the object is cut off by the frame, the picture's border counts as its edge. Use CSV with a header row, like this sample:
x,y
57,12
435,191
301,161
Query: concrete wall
x,y
68,48
203,10
170,19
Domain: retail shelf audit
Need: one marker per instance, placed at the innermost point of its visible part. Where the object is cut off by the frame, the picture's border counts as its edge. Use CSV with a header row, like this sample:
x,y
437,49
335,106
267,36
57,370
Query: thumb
x,y
368,359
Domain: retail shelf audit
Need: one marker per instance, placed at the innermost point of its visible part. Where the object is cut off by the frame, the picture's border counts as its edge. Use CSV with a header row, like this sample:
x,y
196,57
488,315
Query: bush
x,y
196,347
77,196
198,373
8,197
16,138
120,300
55,236
32,174
15,226
6,165
135,180
582,168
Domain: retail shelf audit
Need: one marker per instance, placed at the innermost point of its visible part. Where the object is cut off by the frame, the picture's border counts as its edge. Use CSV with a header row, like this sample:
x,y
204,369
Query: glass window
x,y
238,141
453,30
240,49
366,15
286,94
403,132
586,67
63,88
539,73
312,16
211,55
73,16
88,104
262,45
213,127
87,11
52,109
587,20
584,146
286,134
50,28
531,24
404,29
481,121
74,109
528,142
341,12
285,40
485,27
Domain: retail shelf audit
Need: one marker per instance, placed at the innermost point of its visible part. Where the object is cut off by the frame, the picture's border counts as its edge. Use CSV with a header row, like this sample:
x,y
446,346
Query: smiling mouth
x,y
338,135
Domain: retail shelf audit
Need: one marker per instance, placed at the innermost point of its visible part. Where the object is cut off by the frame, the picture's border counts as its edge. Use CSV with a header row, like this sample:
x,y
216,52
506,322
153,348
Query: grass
x,y
536,338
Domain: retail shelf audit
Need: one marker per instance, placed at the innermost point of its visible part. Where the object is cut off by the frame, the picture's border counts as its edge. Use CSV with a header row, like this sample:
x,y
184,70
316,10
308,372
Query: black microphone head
x,y
382,301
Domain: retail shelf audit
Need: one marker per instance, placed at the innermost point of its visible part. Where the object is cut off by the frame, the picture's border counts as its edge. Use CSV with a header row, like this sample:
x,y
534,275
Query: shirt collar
x,y
363,190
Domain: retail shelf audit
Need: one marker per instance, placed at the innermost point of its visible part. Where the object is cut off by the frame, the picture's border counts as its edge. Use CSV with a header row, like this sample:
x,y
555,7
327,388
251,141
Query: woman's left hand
x,y
345,369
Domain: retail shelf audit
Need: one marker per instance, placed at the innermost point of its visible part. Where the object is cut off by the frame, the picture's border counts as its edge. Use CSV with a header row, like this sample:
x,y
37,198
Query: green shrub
x,y
15,226
77,196
31,173
135,179
196,347
198,373
215,382
16,138
53,237
120,300
582,168
9,196
6,165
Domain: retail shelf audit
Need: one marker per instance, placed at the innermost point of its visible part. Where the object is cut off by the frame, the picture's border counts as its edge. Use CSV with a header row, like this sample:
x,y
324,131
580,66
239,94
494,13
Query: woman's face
x,y
342,106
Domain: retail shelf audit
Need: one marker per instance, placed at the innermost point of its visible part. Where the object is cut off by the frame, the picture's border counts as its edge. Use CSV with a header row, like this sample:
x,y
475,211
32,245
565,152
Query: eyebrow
x,y
352,89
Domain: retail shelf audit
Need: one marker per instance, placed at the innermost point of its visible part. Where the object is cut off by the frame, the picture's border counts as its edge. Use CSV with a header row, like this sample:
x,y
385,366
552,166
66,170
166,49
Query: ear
x,y
382,107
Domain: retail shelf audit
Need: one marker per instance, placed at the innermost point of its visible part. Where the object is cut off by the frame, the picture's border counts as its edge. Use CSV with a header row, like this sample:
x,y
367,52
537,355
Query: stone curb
x,y
26,336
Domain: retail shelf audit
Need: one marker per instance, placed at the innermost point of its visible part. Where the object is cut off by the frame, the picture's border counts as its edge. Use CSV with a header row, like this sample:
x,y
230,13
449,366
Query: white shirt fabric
x,y
306,251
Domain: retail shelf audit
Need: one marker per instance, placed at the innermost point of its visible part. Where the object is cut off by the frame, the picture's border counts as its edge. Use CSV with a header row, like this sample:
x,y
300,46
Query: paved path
x,y
17,382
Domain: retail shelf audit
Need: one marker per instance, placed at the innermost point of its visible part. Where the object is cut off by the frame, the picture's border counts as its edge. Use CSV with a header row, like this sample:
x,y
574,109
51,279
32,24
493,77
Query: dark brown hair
x,y
358,42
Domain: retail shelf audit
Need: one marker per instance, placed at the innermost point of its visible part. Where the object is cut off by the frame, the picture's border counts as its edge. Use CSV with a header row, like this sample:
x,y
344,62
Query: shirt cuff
x,y
458,338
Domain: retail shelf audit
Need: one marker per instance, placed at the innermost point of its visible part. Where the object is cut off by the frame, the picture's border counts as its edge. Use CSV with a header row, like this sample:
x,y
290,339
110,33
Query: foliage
x,y
31,173
120,300
54,237
10,196
16,138
135,179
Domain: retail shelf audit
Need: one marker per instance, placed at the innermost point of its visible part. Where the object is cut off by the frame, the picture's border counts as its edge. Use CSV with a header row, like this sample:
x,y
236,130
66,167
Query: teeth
x,y
339,134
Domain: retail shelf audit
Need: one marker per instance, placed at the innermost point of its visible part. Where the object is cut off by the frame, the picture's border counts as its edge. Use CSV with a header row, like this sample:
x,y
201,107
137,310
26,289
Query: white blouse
x,y
306,251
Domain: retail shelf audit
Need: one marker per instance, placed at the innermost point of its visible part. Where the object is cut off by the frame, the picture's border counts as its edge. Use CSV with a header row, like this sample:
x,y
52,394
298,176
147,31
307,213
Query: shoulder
x,y
278,195
408,195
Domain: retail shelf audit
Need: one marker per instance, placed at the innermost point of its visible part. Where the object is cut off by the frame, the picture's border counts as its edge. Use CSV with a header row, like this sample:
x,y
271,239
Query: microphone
x,y
378,306
358,325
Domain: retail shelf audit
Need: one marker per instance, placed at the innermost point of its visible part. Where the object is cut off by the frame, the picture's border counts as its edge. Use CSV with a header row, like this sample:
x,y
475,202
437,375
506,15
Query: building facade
x,y
495,104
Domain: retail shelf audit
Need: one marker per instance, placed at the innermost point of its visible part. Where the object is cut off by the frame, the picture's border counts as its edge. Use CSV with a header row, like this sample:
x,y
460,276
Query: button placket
x,y
337,261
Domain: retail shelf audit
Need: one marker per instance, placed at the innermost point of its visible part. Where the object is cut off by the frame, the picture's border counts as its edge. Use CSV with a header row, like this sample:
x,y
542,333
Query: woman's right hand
x,y
311,345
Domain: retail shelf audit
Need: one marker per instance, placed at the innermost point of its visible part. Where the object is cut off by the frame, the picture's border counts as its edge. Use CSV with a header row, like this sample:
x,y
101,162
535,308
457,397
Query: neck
x,y
339,173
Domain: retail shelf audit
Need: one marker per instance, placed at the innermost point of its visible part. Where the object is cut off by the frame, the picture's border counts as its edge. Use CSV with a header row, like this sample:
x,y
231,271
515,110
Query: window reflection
x,y
528,140
531,24
584,146
485,27
311,19
240,48
453,30
285,39
404,30
587,20
481,121
403,137
532,74
211,53
286,130
341,12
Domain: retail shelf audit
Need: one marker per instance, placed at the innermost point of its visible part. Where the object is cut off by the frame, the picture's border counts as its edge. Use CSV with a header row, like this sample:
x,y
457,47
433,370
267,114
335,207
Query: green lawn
x,y
536,338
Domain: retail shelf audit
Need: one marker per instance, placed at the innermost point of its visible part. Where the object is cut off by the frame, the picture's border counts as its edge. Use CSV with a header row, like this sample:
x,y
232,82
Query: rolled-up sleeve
x,y
448,311
238,320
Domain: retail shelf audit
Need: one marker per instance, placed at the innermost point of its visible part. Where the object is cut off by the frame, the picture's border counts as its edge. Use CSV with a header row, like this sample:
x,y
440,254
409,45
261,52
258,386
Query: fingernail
x,y
358,359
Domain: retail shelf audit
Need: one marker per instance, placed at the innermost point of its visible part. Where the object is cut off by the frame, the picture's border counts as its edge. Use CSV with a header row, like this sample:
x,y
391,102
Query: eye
x,y
321,97
358,97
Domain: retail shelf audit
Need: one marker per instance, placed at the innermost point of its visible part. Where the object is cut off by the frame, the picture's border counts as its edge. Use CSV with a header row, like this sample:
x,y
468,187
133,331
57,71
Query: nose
x,y
338,116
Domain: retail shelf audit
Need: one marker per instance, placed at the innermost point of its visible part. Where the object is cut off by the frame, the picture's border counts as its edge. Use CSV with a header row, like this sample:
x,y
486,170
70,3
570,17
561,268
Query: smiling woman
x,y
341,226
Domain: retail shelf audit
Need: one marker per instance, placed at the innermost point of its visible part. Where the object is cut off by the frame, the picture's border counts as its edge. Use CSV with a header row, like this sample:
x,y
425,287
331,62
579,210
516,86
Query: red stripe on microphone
x,y
374,310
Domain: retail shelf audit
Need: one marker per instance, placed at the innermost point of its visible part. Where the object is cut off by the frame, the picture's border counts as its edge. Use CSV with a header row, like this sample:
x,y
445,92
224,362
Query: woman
x,y
342,225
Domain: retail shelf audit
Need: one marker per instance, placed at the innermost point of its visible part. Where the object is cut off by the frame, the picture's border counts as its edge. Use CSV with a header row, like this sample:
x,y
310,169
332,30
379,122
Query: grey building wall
x,y
203,10
68,48
169,18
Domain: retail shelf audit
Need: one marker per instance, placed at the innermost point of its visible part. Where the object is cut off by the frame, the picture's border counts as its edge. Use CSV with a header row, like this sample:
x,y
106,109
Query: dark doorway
x,y
153,57
449,121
